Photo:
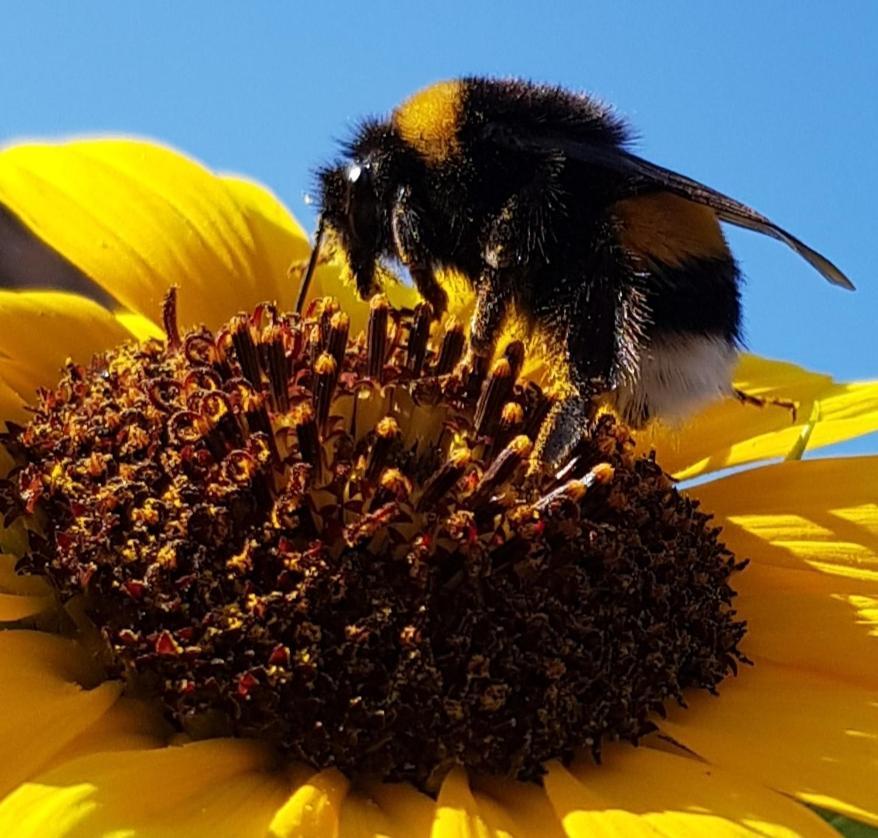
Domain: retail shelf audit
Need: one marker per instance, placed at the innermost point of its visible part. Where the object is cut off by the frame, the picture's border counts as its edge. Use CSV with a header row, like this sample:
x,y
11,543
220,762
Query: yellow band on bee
x,y
429,120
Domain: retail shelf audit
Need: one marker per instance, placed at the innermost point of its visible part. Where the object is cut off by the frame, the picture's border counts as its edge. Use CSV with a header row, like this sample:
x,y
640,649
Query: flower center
x,y
331,542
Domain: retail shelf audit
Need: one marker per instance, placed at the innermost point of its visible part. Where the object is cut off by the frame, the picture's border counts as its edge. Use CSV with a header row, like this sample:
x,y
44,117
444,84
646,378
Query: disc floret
x,y
330,540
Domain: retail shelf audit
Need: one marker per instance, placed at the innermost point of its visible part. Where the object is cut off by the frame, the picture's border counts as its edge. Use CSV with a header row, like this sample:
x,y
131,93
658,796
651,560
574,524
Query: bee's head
x,y
356,199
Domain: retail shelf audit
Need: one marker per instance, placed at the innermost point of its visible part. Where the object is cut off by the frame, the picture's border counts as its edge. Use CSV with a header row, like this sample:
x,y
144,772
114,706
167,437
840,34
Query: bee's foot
x,y
562,429
765,401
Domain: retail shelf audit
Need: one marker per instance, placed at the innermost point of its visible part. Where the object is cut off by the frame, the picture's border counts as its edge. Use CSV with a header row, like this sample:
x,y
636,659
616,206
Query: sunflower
x,y
92,234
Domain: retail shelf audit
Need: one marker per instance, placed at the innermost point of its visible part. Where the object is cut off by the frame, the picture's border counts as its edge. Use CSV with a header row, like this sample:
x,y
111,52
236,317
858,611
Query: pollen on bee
x,y
429,120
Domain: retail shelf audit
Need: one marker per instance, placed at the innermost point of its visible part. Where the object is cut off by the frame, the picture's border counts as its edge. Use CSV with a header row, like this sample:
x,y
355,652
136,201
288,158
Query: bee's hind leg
x,y
764,401
596,339
492,304
561,431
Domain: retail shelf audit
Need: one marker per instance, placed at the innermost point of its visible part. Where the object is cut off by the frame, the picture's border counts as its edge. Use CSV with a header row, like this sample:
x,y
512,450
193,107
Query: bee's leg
x,y
492,303
562,429
411,242
515,244
429,288
601,340
763,401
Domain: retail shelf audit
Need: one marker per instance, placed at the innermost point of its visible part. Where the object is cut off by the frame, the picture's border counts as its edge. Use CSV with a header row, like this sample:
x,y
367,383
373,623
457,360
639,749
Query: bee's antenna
x,y
312,264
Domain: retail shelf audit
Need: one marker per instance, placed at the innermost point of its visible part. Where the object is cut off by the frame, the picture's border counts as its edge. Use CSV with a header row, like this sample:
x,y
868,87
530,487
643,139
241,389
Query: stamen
x,y
339,327
419,334
328,308
574,490
325,377
273,360
514,353
393,486
245,349
386,434
444,479
495,392
370,524
376,336
501,470
452,347
510,423
169,318
308,437
253,405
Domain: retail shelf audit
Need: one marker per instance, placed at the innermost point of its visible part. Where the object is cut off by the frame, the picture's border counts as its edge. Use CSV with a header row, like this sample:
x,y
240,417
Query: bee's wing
x,y
647,177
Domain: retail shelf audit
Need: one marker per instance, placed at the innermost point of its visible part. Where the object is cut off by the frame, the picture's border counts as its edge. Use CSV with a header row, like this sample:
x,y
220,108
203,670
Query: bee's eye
x,y
361,204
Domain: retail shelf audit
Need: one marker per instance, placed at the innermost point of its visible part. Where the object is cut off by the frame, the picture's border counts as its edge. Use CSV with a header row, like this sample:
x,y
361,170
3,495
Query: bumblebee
x,y
531,193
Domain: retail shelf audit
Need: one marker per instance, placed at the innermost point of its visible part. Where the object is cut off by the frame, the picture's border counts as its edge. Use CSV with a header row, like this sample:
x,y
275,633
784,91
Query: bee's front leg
x,y
425,281
411,241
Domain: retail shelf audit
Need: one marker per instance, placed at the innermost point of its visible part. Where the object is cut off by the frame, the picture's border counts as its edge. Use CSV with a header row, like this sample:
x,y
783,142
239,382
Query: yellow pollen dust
x,y
325,364
521,445
429,120
340,320
460,457
501,368
303,413
379,301
603,473
387,427
513,413
395,481
167,556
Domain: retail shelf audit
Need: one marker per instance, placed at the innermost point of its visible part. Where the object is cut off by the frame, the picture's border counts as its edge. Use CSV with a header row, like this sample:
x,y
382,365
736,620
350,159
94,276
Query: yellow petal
x,y
42,706
457,813
213,788
407,811
21,596
139,326
129,725
810,594
11,404
137,217
388,810
14,607
636,792
804,734
648,792
729,433
14,538
825,624
39,330
818,514
519,808
362,817
313,808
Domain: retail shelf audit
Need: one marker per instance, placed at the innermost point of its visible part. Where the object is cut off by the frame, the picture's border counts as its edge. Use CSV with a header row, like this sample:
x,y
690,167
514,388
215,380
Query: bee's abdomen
x,y
691,299
686,272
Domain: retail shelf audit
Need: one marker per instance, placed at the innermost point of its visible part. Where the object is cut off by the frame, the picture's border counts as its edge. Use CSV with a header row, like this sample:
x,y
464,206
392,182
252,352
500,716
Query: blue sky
x,y
774,103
